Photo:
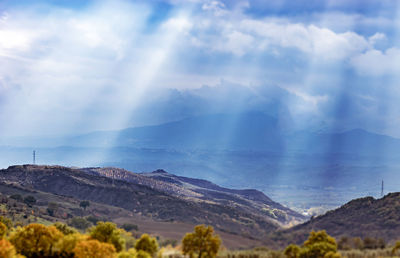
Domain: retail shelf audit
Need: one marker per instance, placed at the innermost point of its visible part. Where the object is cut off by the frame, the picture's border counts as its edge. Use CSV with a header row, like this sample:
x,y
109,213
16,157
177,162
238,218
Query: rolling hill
x,y
230,211
364,217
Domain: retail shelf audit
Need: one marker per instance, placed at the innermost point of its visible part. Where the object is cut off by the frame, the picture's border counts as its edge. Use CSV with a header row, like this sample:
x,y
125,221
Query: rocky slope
x,y
148,196
202,191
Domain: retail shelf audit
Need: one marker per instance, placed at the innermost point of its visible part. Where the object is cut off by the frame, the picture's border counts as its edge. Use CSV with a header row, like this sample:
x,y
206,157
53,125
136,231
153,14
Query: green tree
x,y
147,244
108,232
202,242
79,223
130,227
84,204
30,200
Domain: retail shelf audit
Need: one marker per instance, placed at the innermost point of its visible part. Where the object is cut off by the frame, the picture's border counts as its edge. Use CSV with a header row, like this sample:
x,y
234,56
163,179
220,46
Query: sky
x,y
71,67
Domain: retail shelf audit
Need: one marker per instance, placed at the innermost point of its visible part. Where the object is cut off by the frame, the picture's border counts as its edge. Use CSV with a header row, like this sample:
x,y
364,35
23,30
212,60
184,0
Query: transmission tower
x,y
382,189
34,157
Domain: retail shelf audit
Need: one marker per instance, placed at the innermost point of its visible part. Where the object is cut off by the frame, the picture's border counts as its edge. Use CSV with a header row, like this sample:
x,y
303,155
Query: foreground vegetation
x,y
107,240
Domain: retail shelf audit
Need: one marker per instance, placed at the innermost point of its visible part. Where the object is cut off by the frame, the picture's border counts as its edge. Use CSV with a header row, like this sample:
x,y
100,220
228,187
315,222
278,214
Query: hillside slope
x,y
363,217
141,199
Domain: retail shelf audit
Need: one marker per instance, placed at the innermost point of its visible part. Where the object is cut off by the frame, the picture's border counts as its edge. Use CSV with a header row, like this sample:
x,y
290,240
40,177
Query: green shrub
x,y
30,200
130,227
147,244
107,232
79,223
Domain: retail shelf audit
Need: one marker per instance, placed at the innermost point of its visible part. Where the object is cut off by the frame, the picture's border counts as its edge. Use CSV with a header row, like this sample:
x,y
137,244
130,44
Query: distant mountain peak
x,y
160,171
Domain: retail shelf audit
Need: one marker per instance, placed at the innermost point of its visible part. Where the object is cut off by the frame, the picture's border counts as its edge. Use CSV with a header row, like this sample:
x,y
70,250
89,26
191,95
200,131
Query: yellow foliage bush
x,y
7,250
202,242
68,243
36,240
3,230
94,249
147,244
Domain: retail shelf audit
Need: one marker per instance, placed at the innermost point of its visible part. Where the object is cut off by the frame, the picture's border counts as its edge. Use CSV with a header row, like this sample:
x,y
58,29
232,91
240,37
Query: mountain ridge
x,y
151,198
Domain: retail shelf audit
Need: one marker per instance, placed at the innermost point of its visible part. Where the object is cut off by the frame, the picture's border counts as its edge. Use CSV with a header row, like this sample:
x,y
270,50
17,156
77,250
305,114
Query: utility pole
x,y
382,189
34,157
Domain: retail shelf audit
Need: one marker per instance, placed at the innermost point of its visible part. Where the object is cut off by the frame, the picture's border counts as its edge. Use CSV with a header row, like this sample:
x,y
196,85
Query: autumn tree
x,y
94,249
396,248
292,251
3,230
7,250
108,232
6,221
36,240
147,244
201,242
318,244
68,243
132,253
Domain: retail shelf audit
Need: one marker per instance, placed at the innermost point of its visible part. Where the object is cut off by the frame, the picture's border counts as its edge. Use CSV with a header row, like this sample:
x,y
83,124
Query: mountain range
x,y
246,150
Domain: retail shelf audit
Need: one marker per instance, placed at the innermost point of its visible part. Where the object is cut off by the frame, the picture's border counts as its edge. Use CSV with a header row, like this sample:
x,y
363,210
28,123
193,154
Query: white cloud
x,y
216,7
376,38
378,63
83,67
245,35
236,42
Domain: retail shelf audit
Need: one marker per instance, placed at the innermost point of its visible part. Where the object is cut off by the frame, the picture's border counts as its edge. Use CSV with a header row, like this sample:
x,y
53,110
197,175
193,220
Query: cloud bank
x,y
71,68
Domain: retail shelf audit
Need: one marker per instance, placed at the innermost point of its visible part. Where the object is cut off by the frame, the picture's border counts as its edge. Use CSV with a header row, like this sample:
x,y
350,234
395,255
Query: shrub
x,y
17,197
396,248
68,243
30,200
147,244
108,232
79,223
202,242
94,249
7,250
292,251
130,227
131,253
63,228
3,230
52,208
95,219
36,240
6,221
318,244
